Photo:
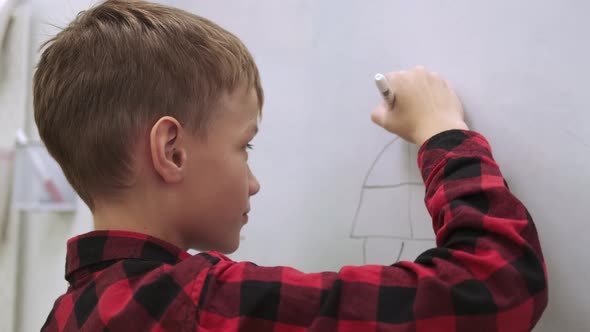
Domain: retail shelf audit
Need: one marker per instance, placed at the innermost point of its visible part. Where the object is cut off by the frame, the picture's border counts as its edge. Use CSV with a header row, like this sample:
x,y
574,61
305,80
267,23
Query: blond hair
x,y
111,73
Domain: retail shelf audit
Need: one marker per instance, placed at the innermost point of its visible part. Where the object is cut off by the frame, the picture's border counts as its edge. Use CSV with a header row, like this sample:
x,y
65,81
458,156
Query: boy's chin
x,y
225,248
230,247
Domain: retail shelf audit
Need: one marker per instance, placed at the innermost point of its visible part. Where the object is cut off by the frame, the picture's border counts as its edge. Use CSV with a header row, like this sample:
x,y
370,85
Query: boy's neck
x,y
137,218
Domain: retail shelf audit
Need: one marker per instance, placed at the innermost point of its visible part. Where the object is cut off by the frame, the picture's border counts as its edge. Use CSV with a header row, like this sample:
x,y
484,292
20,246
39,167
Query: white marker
x,y
384,88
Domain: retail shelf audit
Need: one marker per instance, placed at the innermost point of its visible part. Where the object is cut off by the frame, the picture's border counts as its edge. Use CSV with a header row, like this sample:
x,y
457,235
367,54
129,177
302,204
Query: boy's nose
x,y
253,185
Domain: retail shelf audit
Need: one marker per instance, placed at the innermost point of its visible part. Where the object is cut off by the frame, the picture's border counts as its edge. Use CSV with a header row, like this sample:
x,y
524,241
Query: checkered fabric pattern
x,y
487,273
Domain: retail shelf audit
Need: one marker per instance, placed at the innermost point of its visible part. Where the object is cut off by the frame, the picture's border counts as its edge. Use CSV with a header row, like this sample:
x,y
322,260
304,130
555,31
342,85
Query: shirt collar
x,y
96,247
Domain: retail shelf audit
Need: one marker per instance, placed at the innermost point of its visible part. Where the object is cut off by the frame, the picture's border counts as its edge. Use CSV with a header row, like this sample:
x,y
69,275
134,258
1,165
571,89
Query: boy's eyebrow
x,y
254,128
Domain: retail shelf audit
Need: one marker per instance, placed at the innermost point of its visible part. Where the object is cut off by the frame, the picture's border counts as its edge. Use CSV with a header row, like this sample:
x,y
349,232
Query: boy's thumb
x,y
378,115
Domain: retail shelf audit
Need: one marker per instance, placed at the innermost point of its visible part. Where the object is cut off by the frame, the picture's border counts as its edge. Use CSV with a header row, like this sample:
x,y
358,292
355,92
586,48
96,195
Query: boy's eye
x,y
249,146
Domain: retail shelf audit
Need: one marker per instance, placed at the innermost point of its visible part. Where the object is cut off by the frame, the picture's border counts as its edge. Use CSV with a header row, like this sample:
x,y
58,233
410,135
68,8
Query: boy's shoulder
x,y
124,280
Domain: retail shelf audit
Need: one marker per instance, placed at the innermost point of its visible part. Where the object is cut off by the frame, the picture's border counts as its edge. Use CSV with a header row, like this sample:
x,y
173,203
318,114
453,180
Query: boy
x,y
150,110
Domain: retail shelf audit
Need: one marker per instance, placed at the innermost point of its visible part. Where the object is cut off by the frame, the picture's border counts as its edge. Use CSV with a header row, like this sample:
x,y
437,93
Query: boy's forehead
x,y
241,107
241,97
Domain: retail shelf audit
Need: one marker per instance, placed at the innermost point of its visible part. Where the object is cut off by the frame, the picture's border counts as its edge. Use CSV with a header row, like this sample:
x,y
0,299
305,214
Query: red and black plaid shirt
x,y
487,273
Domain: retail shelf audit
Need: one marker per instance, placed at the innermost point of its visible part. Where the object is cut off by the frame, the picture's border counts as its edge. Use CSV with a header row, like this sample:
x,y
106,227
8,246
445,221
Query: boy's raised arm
x,y
487,272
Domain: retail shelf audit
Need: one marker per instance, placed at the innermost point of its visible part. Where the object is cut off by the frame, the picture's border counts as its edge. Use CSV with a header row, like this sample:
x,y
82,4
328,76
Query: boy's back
x,y
149,111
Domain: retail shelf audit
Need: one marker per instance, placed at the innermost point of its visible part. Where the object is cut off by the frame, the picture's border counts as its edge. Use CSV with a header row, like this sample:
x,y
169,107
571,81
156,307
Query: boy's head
x,y
149,109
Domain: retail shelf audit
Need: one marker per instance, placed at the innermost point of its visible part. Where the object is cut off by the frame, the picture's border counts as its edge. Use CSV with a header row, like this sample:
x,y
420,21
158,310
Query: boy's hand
x,y
424,106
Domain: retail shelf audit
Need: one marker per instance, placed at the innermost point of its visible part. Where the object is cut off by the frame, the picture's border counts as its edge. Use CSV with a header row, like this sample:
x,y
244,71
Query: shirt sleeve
x,y
487,270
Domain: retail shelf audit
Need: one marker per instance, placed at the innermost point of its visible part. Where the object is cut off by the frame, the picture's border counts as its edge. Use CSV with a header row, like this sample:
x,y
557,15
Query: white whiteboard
x,y
521,69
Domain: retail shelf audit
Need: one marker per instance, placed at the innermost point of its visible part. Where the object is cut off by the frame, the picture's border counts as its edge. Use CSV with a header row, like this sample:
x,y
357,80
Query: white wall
x,y
520,68
14,71
44,235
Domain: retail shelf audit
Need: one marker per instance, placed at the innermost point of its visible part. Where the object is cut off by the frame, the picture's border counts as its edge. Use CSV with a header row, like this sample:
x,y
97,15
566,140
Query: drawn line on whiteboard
x,y
401,250
366,237
391,186
577,138
358,208
399,255
393,237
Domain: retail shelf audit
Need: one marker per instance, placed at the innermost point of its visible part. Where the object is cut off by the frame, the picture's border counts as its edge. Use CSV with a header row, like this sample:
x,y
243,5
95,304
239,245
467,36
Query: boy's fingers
x,y
396,75
378,114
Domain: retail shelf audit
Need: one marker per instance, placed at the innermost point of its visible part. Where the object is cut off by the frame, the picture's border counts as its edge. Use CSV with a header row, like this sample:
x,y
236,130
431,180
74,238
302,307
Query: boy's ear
x,y
167,147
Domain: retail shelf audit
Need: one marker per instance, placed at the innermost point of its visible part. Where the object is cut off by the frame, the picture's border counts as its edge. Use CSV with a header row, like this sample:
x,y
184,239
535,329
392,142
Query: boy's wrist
x,y
428,133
